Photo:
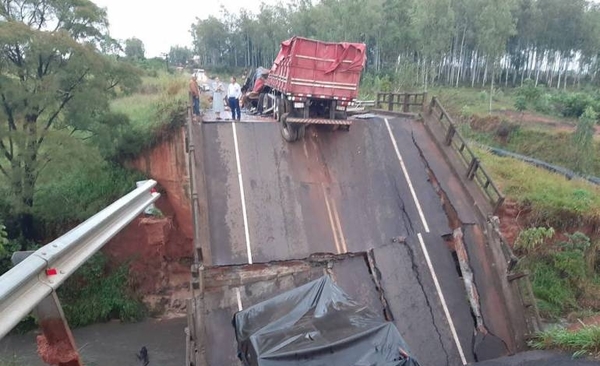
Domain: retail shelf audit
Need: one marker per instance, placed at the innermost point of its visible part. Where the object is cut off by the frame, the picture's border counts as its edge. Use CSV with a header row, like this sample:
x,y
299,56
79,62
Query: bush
x,y
531,239
77,195
573,104
95,294
520,103
529,92
543,104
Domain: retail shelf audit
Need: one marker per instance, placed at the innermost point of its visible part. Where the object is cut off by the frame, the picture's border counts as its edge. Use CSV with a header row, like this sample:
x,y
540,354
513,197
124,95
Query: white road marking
x,y
333,228
242,194
405,171
339,227
442,300
239,299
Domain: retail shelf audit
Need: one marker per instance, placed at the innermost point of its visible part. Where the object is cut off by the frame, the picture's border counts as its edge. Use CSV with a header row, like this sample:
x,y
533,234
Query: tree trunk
x,y
461,56
492,86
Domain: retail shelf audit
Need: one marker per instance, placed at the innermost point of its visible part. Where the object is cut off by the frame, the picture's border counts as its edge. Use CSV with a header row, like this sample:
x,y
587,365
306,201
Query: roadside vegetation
x,y
75,106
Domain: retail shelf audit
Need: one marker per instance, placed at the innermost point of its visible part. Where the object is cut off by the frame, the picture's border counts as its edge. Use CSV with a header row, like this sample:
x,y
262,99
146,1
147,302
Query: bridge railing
x,y
475,171
400,101
38,275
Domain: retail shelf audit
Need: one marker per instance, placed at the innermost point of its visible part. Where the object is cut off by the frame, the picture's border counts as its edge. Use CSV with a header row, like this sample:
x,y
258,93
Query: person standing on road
x,y
234,93
218,98
195,93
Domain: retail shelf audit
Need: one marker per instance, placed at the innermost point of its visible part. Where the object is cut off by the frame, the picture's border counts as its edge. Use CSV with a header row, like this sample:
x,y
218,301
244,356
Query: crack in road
x,y
402,207
456,224
415,269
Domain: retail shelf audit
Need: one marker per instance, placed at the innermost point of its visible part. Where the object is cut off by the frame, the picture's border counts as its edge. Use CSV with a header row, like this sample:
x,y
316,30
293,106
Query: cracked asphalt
x,y
341,192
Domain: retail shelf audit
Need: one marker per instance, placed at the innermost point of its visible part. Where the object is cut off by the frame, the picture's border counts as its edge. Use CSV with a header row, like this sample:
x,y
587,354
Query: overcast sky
x,y
165,25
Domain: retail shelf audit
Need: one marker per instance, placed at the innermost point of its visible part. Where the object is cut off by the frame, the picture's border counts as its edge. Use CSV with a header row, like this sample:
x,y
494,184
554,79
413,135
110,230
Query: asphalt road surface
x,y
337,192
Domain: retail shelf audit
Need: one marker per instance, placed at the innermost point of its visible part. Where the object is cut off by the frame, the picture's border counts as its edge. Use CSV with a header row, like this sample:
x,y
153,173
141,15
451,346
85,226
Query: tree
x,y
180,56
51,76
134,49
583,141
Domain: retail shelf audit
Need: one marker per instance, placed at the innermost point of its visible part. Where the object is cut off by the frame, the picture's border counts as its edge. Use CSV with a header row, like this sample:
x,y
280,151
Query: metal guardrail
x,y
475,170
406,100
39,275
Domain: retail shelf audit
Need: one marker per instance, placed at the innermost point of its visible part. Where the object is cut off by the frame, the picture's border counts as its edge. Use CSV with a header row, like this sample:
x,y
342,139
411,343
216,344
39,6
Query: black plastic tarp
x,y
317,324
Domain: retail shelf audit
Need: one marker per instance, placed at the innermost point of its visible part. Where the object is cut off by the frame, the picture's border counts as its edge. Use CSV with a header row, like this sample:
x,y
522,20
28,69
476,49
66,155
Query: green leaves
x,y
134,49
52,76
583,141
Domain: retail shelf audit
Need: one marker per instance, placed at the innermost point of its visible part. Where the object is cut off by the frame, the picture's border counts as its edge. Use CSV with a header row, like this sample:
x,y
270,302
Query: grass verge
x,y
551,199
583,342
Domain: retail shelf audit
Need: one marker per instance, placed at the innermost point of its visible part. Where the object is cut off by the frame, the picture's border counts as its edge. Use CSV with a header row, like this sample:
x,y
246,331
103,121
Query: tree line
x,y
449,42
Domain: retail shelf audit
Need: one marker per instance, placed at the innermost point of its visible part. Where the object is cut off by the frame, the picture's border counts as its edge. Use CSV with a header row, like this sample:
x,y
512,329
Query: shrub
x,y
95,294
543,103
530,239
521,103
529,92
75,196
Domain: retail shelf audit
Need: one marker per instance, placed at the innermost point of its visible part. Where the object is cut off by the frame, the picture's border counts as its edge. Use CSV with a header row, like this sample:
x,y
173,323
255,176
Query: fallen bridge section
x,y
377,279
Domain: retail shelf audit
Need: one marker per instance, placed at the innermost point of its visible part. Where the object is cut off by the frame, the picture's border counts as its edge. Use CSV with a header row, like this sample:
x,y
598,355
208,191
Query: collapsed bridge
x,y
398,211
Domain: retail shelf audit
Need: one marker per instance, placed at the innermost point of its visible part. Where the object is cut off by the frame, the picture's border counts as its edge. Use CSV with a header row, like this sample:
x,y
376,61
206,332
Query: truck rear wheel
x,y
288,131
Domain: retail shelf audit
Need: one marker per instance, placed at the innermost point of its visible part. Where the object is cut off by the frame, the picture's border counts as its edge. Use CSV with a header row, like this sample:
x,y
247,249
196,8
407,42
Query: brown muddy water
x,y
107,344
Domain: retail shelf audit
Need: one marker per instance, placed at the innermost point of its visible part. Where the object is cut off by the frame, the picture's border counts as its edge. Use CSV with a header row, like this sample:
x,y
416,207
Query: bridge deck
x,y
342,192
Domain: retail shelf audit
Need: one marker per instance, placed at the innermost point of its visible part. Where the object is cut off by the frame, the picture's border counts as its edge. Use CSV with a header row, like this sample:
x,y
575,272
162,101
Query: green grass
x,y
468,101
583,342
536,142
554,293
552,199
159,107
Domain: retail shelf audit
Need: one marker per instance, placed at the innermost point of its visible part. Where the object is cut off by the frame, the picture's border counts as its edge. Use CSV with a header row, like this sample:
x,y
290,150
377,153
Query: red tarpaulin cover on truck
x,y
307,67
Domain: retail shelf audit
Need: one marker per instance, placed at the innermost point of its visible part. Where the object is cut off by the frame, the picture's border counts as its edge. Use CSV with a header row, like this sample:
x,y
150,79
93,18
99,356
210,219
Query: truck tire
x,y
288,131
342,115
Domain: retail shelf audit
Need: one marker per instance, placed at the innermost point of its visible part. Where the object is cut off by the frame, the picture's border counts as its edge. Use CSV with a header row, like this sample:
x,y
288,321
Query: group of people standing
x,y
234,95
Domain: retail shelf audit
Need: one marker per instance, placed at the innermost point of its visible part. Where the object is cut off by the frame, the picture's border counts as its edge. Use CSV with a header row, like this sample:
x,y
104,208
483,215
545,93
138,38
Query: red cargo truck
x,y
312,82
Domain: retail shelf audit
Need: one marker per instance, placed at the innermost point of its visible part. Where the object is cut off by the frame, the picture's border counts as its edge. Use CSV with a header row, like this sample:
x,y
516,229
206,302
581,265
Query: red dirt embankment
x,y
159,250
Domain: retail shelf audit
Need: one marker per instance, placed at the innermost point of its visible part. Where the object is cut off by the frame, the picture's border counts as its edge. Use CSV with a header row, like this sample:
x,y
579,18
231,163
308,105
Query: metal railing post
x,y
391,102
59,344
405,106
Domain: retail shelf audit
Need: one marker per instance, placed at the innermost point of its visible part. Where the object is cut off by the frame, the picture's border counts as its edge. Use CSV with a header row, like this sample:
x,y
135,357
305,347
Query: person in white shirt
x,y
234,93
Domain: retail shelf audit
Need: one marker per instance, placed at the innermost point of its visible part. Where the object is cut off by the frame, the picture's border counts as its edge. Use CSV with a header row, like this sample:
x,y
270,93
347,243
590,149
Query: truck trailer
x,y
313,82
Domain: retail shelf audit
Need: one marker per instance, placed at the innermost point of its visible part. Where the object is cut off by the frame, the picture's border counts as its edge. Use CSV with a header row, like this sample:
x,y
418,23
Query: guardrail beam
x,y
39,274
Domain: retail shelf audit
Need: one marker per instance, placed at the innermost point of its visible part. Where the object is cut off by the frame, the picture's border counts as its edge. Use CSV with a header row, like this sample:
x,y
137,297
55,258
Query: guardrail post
x,y
498,204
378,102
405,107
56,346
450,135
473,168
391,102
432,104
424,99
